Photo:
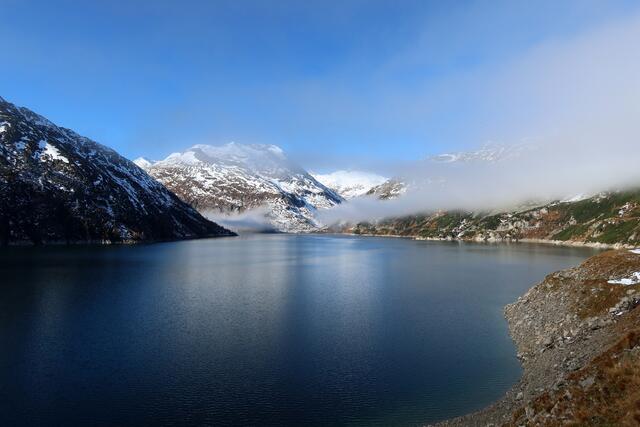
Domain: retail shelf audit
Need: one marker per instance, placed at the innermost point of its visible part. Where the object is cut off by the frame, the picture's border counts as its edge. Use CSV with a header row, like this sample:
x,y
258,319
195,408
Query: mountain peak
x,y
234,150
350,183
260,158
231,179
143,162
489,152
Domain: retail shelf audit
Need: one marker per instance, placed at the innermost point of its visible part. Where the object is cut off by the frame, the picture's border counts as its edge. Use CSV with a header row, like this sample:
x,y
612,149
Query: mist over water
x,y
572,103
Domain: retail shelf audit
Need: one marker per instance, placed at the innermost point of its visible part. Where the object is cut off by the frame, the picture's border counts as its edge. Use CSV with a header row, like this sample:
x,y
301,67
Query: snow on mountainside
x,y
488,153
390,189
350,184
607,218
142,162
236,180
57,186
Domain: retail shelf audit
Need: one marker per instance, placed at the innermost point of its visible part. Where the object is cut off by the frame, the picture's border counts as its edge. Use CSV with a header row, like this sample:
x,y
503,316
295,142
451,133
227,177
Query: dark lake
x,y
261,330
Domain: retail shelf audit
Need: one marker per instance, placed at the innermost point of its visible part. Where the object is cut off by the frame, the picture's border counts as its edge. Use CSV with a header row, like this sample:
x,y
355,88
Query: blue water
x,y
261,330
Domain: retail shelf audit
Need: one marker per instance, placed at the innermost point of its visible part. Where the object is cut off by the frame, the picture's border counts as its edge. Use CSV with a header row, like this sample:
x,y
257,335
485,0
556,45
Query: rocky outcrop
x,y
606,219
390,189
578,337
59,187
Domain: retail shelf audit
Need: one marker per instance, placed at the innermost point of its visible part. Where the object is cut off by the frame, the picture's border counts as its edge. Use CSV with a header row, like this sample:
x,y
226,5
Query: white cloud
x,y
577,100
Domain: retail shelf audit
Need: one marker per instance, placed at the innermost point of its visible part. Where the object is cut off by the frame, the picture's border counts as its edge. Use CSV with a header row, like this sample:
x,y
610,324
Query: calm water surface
x,y
261,330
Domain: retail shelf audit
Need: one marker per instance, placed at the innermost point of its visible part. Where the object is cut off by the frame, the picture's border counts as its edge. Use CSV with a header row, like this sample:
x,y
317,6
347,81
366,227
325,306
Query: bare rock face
x,y
390,189
233,180
59,187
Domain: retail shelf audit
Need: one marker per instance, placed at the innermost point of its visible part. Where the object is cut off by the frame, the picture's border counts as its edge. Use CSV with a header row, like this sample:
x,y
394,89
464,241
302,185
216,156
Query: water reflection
x,y
265,330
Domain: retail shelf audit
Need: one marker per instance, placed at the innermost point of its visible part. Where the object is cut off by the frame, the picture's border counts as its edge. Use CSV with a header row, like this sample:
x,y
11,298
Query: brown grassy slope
x,y
578,338
604,391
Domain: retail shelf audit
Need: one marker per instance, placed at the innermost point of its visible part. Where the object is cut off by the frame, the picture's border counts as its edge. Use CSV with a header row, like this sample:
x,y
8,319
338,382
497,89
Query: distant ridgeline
x,y
59,187
608,218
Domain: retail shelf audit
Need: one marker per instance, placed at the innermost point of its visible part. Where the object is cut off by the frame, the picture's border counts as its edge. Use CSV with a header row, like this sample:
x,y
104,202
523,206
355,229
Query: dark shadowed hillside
x,y
57,186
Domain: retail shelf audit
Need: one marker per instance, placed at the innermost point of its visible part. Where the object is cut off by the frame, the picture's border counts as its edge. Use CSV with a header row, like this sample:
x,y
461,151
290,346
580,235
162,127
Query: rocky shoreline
x,y
567,243
577,335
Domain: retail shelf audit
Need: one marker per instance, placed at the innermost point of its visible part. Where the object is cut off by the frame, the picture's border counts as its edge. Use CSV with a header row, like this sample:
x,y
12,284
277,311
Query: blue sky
x,y
339,84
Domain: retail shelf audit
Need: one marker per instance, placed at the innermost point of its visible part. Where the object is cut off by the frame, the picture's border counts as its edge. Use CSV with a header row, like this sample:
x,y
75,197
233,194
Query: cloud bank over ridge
x,y
576,101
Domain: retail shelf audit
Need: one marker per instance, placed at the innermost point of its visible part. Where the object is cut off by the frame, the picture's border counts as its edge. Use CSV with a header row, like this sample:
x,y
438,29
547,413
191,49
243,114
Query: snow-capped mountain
x,y
231,179
57,186
390,189
490,152
143,162
350,184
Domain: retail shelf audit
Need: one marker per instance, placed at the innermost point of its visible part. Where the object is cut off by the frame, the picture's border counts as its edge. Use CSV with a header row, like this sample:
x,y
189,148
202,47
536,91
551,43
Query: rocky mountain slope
x,y
607,218
390,189
350,184
245,181
57,186
578,338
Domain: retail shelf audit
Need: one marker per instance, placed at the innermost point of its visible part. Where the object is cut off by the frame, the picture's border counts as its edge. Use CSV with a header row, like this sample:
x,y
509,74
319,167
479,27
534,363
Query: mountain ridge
x,y
610,218
59,187
606,218
350,183
233,179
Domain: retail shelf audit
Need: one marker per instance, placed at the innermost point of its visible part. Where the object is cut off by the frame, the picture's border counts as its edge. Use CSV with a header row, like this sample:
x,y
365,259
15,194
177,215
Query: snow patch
x,y
51,151
626,208
489,152
187,158
260,158
350,184
576,198
635,251
143,162
627,281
